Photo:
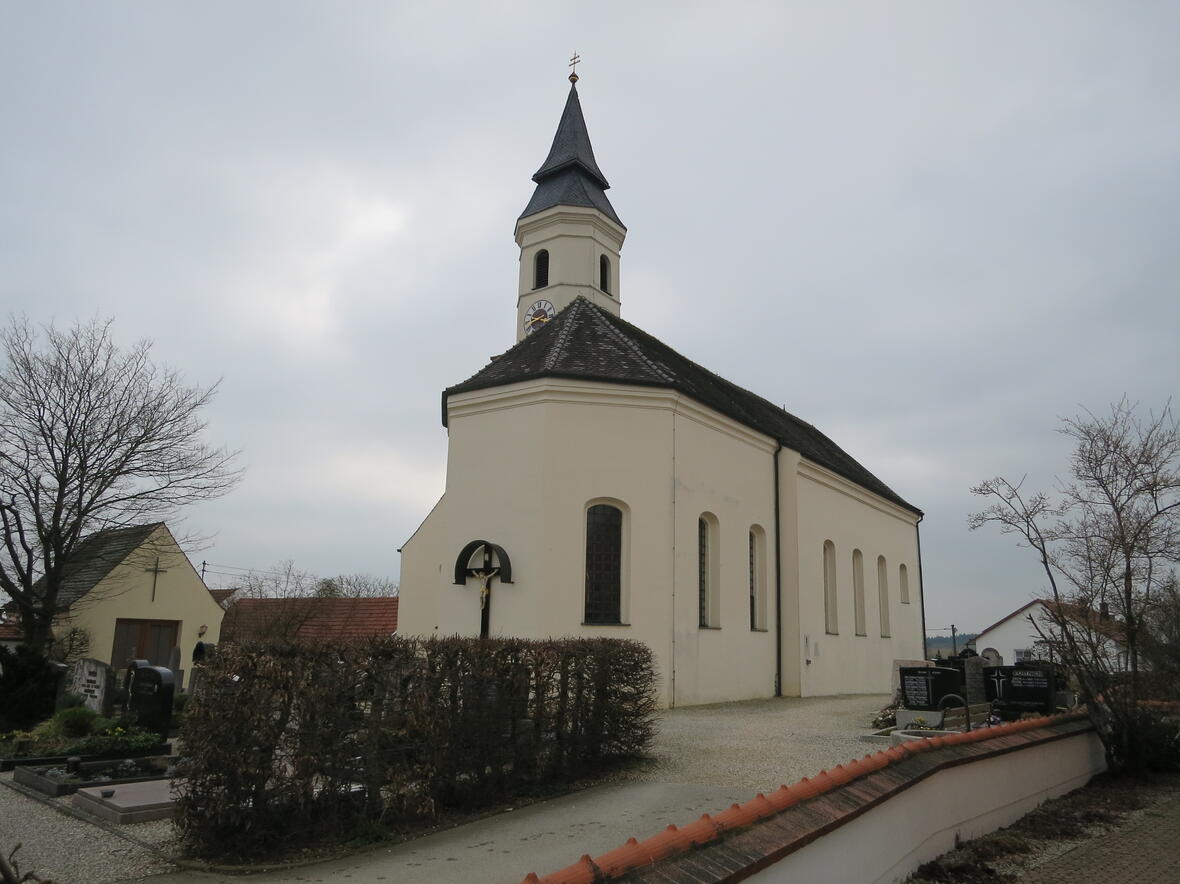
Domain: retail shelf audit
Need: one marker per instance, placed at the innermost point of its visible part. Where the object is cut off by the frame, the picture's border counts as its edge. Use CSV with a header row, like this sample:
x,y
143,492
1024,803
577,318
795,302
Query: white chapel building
x,y
601,484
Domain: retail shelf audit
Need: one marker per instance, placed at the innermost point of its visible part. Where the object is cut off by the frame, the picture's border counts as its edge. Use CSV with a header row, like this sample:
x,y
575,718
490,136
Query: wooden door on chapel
x,y
151,640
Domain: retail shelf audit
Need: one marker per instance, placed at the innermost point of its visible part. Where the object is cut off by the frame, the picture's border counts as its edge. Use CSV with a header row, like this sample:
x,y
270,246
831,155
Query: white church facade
x,y
601,484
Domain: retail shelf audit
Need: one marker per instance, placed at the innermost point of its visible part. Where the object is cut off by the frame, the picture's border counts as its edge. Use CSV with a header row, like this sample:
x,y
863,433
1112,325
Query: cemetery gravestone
x,y
94,682
898,665
923,688
150,690
974,688
1021,688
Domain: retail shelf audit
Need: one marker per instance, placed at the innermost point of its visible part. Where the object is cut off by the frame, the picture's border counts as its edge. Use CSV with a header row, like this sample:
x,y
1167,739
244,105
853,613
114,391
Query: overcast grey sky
x,y
930,228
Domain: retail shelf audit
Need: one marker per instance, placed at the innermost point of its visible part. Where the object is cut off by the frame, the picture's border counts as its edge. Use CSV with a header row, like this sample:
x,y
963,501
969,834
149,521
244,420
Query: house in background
x,y
10,633
1016,639
310,621
137,597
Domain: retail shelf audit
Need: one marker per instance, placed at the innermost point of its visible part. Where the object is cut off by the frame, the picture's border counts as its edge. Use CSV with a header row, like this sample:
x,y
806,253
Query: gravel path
x,y
760,744
69,850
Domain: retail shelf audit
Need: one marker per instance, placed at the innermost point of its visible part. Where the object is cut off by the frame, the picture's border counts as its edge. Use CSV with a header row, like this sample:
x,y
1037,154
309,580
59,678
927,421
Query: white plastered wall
x,y
126,593
832,508
524,463
575,238
889,841
526,459
1015,632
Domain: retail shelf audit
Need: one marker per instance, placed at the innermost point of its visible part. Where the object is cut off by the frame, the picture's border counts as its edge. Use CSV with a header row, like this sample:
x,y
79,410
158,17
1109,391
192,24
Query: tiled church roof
x,y
570,176
587,343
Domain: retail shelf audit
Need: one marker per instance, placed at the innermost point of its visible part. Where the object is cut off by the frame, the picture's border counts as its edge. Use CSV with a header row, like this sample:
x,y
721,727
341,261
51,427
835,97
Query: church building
x,y
601,484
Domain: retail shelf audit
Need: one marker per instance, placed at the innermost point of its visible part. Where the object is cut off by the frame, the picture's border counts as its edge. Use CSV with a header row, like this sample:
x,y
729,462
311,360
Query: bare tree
x,y
92,437
355,586
1108,540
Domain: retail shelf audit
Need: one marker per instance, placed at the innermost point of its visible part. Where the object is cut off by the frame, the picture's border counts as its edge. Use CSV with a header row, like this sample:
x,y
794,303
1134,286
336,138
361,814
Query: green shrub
x,y
28,687
283,746
114,742
1158,741
75,721
71,701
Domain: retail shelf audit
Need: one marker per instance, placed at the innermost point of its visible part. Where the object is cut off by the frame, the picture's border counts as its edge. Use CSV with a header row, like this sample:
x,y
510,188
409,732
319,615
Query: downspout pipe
x,y
921,582
778,586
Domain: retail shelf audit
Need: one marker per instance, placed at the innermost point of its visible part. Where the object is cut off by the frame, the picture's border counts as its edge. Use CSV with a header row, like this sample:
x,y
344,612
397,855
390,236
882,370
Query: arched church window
x,y
858,591
604,273
831,621
604,564
708,572
883,591
903,584
541,269
757,578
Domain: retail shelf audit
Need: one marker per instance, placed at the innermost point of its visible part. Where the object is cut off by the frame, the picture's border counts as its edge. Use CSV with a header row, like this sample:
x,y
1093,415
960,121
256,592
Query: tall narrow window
x,y
604,273
903,584
703,570
858,591
757,577
883,592
541,269
604,562
708,572
831,621
753,581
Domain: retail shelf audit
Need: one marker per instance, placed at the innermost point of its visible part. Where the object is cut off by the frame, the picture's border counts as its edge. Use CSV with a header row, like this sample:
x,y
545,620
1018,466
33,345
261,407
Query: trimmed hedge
x,y
284,746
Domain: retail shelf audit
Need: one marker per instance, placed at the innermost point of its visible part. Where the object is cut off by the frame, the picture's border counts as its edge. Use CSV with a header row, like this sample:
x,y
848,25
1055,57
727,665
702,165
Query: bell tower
x,y
569,234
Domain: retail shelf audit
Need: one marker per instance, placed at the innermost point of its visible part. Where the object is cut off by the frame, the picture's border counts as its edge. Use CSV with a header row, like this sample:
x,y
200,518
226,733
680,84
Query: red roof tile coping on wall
x,y
635,854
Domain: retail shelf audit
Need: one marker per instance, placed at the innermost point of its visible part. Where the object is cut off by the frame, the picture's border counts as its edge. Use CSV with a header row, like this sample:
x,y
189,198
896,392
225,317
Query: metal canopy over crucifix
x,y
490,561
155,571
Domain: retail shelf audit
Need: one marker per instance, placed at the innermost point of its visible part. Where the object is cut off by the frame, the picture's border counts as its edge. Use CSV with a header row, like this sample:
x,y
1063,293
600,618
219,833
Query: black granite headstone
x,y
924,687
150,690
1021,688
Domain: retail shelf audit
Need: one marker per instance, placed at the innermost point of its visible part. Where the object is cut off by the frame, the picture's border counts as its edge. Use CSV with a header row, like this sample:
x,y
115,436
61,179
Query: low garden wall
x,y
288,746
872,820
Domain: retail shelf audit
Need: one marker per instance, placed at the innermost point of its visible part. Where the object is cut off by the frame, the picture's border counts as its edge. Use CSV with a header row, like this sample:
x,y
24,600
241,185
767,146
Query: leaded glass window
x,y
604,561
753,581
703,570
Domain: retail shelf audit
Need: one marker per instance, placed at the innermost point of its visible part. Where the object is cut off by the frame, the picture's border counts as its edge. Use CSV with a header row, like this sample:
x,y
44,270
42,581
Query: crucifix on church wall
x,y
484,561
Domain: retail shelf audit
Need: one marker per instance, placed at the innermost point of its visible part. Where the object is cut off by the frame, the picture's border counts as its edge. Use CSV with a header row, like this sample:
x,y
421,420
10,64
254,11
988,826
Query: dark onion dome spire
x,y
570,176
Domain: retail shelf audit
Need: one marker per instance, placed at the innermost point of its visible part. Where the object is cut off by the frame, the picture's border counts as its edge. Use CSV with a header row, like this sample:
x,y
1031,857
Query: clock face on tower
x,y
537,315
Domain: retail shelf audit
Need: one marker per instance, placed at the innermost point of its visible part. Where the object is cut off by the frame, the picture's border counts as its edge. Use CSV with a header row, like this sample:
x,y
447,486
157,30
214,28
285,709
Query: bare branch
x,y
92,437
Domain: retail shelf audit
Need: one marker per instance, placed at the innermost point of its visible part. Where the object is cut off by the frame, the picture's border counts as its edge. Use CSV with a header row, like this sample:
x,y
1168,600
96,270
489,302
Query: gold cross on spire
x,y
574,64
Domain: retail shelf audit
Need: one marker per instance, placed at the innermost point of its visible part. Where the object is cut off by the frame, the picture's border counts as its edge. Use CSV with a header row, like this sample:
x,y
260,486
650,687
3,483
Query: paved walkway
x,y
1146,852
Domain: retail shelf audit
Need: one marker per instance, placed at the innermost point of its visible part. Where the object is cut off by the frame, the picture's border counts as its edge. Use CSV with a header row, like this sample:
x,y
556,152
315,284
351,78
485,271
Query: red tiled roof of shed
x,y
310,620
10,631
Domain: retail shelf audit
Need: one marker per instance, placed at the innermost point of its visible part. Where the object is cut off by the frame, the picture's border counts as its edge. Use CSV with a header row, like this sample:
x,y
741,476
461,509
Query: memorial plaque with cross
x,y
484,561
